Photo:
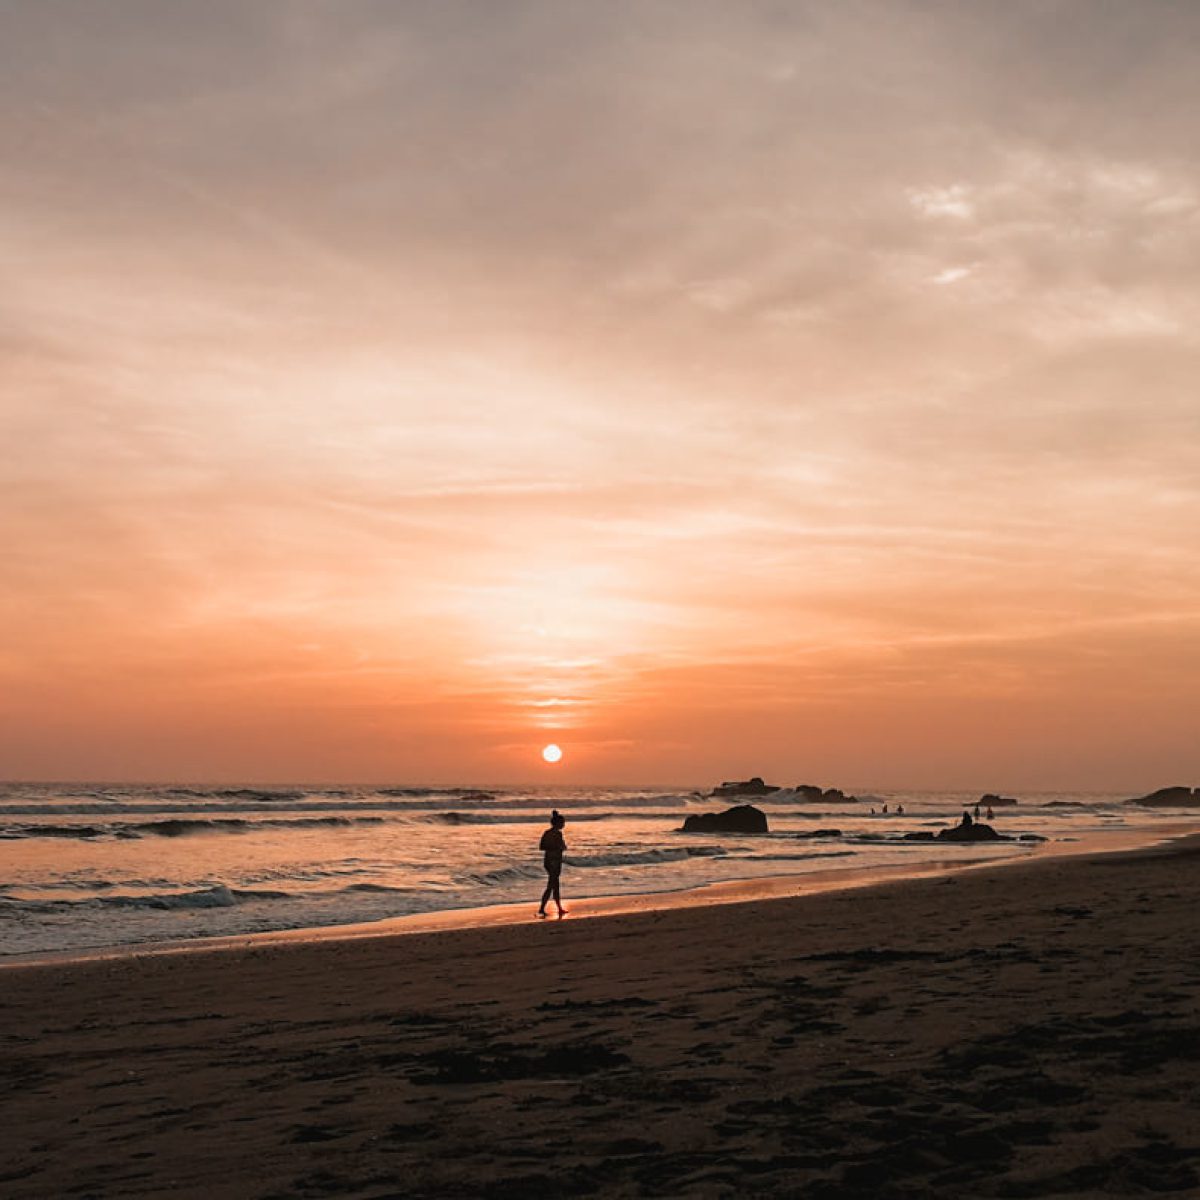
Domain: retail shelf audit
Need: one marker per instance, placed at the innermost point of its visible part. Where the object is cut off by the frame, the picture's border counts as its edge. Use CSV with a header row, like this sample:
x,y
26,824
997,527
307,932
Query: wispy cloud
x,y
602,369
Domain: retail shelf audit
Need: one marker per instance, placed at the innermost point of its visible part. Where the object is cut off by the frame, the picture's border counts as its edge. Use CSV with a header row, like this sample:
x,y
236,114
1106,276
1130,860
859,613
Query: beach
x,y
84,867
1026,1030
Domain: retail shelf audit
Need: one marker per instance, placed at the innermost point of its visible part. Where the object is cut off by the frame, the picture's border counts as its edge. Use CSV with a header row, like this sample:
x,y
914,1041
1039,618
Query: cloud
x,y
730,335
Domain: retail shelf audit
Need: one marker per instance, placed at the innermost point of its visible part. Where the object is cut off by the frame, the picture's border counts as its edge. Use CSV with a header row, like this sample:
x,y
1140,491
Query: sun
x,y
552,753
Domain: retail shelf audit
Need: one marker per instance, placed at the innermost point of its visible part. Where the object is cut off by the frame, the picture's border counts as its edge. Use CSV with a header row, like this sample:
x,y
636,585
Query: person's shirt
x,y
553,844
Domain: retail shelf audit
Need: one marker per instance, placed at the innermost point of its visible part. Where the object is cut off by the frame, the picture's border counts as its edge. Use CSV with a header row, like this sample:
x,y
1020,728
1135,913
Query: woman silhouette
x,y
552,846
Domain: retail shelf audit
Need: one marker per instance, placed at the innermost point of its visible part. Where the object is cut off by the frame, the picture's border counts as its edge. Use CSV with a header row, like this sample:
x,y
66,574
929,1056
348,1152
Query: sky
x,y
807,390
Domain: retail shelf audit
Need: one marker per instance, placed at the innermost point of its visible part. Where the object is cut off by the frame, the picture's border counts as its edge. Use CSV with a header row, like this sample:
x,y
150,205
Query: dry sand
x,y
1026,1031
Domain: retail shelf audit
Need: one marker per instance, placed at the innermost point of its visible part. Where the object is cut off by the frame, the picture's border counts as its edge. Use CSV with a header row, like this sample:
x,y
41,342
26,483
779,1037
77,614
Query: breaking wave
x,y
217,896
639,858
797,857
179,827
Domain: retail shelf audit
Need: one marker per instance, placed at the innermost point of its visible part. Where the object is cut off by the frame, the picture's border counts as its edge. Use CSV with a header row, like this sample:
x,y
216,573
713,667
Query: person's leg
x,y
557,893
550,890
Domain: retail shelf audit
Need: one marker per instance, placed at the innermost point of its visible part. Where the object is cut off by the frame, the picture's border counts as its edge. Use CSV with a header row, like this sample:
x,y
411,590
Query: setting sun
x,y
552,753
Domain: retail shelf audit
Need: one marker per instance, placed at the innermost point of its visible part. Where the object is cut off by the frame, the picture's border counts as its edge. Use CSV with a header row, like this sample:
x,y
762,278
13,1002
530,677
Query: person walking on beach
x,y
552,847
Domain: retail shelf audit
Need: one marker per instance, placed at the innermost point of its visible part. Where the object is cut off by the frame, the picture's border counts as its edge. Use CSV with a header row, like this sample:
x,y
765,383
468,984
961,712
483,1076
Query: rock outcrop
x,y
745,787
975,832
1170,797
992,801
745,818
811,794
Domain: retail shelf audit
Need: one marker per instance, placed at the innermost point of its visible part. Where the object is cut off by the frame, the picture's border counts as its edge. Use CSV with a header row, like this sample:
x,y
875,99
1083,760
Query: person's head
x,y
557,819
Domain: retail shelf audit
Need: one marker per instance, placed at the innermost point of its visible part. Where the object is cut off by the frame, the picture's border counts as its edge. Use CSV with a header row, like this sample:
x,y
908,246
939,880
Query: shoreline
x,y
727,892
987,1033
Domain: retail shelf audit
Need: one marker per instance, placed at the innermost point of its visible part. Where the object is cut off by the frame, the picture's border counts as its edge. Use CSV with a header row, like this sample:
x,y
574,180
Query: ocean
x,y
89,866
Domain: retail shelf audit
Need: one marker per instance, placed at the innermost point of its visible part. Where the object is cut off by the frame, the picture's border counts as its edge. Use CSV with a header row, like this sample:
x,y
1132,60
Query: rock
x,y
745,818
808,793
1170,797
975,832
1031,837
747,787
923,836
991,801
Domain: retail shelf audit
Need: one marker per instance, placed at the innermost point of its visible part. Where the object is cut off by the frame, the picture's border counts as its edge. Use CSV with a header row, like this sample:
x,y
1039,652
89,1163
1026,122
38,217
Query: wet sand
x,y
1026,1031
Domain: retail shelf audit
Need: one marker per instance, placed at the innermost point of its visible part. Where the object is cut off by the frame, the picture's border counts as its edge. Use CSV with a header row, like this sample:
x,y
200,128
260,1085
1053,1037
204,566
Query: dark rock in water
x,y
745,787
1065,804
1170,797
745,818
821,833
1031,837
923,836
975,832
992,801
811,794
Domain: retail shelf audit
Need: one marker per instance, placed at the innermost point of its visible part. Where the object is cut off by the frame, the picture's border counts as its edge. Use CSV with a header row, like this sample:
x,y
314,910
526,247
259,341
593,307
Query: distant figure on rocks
x,y
966,822
991,816
977,812
552,847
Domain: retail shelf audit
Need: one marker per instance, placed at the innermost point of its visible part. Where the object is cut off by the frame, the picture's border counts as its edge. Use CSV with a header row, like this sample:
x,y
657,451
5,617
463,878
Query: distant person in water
x,y
552,847
991,816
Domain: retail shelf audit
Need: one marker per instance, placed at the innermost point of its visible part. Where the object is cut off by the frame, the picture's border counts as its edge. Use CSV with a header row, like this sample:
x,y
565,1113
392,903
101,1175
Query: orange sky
x,y
805,390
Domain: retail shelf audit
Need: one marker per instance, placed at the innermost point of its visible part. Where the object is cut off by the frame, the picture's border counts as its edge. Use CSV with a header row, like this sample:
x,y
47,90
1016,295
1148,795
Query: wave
x,y
637,858
632,858
267,794
179,827
217,896
514,817
461,793
381,888
502,875
15,832
794,857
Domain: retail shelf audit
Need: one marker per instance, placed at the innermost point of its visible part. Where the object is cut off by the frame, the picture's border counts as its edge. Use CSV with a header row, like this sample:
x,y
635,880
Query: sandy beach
x,y
1028,1031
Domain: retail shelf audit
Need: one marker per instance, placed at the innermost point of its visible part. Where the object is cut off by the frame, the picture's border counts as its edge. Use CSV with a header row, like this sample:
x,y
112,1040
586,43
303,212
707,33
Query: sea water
x,y
89,866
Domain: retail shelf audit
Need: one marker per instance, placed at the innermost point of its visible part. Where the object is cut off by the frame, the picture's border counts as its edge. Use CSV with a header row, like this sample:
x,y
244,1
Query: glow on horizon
x,y
808,393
